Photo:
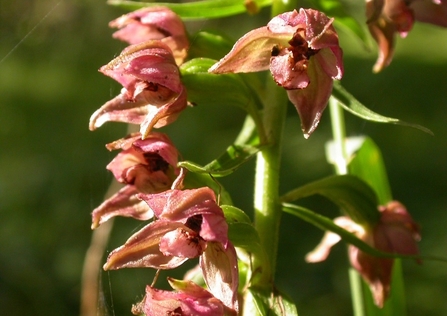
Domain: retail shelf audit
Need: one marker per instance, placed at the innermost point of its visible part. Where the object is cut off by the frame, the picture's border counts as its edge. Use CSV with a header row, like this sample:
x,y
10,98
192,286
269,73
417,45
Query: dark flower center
x,y
299,46
194,223
155,162
176,312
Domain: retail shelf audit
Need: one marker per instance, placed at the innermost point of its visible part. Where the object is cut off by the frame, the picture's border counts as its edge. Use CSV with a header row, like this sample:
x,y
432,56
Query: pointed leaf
x,y
351,104
350,193
225,164
326,224
197,10
241,232
235,215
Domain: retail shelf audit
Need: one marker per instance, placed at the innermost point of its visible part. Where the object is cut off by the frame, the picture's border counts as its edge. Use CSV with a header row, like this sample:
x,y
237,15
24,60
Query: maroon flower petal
x,y
311,102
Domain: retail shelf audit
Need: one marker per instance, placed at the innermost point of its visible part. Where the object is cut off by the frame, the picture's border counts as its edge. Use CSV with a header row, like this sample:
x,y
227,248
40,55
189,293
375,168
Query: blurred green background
x,y
52,168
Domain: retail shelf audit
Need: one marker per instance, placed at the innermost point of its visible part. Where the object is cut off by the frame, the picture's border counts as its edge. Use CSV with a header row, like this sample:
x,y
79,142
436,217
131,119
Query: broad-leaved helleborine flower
x,y
152,95
153,23
396,232
144,166
302,52
385,18
187,221
188,299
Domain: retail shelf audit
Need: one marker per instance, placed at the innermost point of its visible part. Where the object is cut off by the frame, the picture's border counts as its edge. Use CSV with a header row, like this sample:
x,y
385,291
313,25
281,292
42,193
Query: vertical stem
x,y
267,205
266,202
339,135
341,166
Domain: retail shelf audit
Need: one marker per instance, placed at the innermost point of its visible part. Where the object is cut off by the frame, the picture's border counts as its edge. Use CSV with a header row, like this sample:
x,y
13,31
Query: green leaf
x,y
197,180
235,215
219,90
272,302
350,193
240,229
196,10
351,104
209,45
367,164
245,236
234,157
326,224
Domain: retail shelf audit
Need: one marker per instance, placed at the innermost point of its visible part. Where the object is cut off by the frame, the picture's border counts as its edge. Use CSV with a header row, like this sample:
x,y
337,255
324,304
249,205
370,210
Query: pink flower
x,y
187,221
145,166
153,23
302,52
188,299
396,232
152,94
387,17
190,224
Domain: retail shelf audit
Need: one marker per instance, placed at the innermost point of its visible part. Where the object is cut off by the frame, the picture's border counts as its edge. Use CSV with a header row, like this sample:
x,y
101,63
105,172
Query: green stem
x,y
267,204
339,135
266,201
341,166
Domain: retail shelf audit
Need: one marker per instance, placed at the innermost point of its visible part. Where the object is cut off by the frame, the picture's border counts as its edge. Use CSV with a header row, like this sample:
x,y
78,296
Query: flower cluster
x,y
185,224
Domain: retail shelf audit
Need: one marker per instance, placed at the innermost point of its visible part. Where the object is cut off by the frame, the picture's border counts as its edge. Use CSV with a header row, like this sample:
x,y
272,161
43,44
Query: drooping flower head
x,y
152,94
385,18
396,232
302,52
144,166
153,23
